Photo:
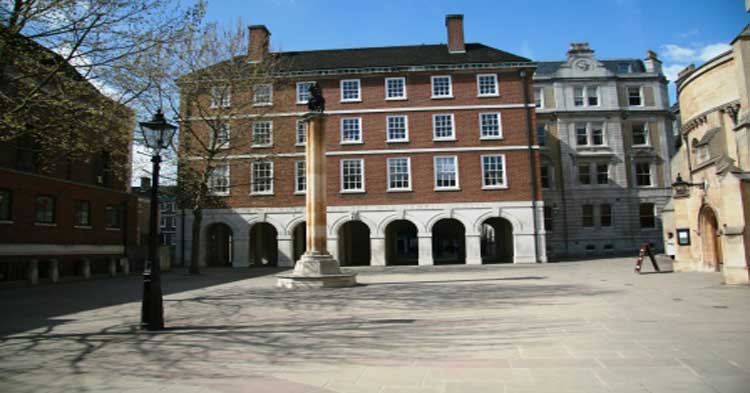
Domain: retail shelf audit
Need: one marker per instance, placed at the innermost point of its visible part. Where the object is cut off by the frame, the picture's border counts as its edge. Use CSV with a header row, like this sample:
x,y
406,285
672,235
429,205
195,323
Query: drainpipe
x,y
182,237
532,161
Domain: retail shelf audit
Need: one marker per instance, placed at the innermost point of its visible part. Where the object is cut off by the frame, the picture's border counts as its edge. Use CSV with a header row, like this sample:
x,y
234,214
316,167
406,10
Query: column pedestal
x,y
316,268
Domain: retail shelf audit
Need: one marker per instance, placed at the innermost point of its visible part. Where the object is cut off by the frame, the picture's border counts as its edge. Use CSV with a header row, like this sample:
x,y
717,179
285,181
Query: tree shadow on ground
x,y
30,308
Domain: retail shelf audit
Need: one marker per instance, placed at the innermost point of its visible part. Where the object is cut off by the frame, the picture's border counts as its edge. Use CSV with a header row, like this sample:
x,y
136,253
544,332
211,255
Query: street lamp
x,y
157,135
681,187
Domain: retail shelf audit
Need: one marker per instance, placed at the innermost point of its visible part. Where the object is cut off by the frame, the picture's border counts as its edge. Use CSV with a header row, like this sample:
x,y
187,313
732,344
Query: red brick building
x,y
66,216
431,158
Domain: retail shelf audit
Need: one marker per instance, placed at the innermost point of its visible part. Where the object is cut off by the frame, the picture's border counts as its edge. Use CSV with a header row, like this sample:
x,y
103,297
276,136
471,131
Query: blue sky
x,y
680,31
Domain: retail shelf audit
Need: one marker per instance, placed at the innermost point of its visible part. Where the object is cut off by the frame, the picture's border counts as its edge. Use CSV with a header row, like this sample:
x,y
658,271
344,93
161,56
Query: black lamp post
x,y
157,135
681,186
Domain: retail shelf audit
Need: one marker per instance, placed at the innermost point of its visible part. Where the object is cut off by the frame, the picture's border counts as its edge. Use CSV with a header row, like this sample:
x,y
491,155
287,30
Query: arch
x,y
354,244
443,216
263,247
299,239
336,225
710,238
263,219
396,217
401,243
497,243
289,228
448,241
514,221
219,245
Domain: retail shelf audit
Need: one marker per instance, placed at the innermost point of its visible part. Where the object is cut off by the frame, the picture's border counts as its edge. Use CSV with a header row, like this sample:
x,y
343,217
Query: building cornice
x,y
403,69
56,179
701,118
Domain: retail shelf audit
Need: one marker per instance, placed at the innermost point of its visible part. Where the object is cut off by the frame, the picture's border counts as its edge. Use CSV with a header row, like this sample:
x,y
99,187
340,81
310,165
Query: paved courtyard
x,y
590,326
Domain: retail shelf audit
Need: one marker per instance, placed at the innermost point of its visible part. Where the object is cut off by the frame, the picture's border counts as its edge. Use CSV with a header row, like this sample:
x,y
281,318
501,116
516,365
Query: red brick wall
x,y
26,187
514,130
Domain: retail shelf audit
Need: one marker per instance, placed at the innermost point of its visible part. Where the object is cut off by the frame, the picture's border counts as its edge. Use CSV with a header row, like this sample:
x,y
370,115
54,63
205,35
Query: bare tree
x,y
216,98
55,54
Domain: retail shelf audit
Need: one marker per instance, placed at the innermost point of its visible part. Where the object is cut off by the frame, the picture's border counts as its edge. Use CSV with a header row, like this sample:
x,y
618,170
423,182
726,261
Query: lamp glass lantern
x,y
157,133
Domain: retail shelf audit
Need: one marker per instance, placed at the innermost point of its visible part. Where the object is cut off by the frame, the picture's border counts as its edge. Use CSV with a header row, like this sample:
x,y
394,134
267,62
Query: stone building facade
x,y
605,133
710,216
431,158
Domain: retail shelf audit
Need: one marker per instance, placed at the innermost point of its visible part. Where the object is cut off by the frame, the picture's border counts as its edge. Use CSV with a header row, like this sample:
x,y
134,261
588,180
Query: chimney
x,y
258,41
652,62
455,26
577,48
145,183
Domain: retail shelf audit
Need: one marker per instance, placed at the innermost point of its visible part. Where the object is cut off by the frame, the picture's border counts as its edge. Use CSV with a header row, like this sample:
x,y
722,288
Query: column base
x,y
316,271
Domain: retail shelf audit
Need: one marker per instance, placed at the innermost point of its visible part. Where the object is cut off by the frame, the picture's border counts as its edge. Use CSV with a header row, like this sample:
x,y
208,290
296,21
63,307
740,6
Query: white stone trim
x,y
21,249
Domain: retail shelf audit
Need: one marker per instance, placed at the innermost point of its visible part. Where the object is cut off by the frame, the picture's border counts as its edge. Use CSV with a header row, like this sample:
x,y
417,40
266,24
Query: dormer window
x,y
623,68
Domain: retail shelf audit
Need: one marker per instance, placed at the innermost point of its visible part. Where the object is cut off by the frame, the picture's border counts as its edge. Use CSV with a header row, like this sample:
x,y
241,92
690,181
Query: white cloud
x,y
694,54
678,53
671,71
708,52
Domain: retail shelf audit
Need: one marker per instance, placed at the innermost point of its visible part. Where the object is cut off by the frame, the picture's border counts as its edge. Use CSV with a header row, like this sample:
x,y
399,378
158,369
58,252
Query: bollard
x,y
86,268
112,267
54,270
125,265
32,272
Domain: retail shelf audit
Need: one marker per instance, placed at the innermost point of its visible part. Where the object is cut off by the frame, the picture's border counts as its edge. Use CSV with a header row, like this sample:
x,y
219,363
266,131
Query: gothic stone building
x,y
605,135
430,155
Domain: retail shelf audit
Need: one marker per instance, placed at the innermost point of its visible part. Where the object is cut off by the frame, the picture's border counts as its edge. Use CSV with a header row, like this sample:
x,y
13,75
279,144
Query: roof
x,y
547,68
393,56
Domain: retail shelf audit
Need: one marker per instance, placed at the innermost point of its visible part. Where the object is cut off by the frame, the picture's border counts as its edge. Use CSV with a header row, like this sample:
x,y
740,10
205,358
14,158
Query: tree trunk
x,y
195,246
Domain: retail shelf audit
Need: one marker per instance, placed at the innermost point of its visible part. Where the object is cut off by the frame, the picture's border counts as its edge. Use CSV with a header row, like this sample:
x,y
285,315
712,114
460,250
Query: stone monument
x,y
316,268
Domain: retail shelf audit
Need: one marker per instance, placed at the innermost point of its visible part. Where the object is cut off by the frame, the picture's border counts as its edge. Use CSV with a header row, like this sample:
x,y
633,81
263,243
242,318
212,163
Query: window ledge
x,y
86,227
448,189
219,194
400,190
299,145
396,99
261,193
262,146
488,95
352,143
351,101
301,103
442,97
490,138
397,141
44,224
300,193
352,191
490,188
263,104
6,222
443,139
112,229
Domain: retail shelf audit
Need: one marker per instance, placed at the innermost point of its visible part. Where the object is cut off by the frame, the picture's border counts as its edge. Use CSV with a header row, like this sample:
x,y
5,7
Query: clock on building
x,y
582,64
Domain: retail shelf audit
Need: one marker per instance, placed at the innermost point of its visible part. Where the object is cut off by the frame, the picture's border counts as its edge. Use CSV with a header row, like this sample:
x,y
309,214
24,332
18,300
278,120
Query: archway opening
x,y
401,244
497,240
448,242
710,240
299,240
263,245
219,245
354,244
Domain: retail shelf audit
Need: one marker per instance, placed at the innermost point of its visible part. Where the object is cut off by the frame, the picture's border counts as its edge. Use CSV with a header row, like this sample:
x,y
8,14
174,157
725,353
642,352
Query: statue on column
x,y
316,102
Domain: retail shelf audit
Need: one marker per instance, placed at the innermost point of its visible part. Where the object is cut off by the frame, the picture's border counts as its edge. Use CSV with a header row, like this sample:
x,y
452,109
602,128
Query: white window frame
x,y
297,91
408,171
225,145
359,90
341,174
497,87
595,178
647,135
651,174
297,189
388,138
397,98
540,105
432,87
297,133
586,96
435,174
252,178
226,101
590,134
434,127
254,142
359,125
270,94
499,126
228,179
504,185
640,94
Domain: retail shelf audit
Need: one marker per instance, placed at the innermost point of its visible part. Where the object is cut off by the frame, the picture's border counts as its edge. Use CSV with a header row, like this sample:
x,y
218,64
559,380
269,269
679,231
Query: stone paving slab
x,y
589,326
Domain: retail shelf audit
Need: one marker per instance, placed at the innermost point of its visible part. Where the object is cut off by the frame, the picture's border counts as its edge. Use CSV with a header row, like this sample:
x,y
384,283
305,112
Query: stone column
x,y
32,272
125,264
86,268
285,251
54,270
473,249
425,249
377,251
112,267
316,268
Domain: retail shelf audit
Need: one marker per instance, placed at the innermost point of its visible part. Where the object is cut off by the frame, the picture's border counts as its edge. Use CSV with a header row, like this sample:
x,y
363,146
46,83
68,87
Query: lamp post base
x,y
316,271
